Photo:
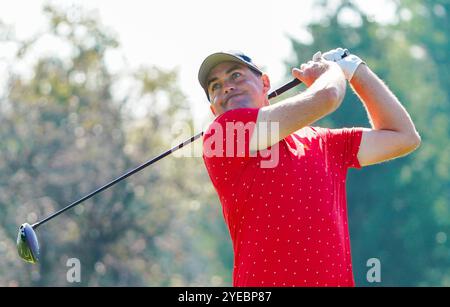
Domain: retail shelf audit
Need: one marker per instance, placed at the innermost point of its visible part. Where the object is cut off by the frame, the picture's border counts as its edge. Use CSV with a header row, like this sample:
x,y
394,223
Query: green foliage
x,y
64,134
398,211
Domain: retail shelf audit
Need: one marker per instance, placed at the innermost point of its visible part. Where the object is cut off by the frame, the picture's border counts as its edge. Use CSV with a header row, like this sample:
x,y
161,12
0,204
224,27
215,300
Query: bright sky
x,y
179,34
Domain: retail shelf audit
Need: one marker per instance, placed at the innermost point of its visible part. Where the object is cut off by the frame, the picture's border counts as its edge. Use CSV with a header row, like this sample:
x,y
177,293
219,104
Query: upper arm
x,y
382,145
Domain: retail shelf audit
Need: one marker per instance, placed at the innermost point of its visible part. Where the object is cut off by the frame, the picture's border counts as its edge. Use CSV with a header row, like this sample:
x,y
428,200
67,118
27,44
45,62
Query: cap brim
x,y
213,60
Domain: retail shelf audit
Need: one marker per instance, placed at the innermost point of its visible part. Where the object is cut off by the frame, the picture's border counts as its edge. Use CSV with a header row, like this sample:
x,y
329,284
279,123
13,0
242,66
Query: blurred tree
x,y
61,138
398,211
64,133
426,26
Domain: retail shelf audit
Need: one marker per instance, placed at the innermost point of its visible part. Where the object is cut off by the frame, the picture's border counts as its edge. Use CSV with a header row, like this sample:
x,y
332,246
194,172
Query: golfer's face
x,y
232,86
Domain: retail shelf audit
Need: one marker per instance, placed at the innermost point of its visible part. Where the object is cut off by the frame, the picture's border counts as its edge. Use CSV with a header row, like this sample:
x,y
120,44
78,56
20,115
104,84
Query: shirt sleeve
x,y
342,146
226,144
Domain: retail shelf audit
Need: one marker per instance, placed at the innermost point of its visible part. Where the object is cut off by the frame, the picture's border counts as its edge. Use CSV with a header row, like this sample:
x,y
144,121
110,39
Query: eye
x,y
215,86
236,75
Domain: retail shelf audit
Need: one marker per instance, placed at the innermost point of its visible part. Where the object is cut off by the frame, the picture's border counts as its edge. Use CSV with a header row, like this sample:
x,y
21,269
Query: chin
x,y
239,105
235,107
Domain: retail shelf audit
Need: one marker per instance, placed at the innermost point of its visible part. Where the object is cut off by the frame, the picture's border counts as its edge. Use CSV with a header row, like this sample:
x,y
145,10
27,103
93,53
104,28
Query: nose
x,y
228,87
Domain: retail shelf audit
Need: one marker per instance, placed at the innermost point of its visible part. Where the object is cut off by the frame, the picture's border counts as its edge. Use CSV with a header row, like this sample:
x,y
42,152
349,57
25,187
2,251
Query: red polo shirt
x,y
288,219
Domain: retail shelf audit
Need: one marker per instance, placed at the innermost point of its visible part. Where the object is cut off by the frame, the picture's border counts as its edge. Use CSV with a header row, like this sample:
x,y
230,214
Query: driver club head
x,y
27,244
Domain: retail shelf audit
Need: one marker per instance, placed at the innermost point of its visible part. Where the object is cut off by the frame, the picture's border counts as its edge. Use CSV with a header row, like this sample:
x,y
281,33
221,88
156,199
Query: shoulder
x,y
310,132
238,114
242,115
327,133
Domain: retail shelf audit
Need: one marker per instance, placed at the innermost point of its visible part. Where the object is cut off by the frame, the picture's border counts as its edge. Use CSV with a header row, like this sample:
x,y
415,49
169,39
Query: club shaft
x,y
127,174
284,88
275,93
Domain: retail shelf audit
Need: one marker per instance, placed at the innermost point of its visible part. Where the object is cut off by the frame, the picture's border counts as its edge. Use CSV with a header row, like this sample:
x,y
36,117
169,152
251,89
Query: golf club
x,y
27,242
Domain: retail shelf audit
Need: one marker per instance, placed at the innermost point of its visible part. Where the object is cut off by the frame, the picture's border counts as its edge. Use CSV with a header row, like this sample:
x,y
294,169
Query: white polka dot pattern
x,y
288,224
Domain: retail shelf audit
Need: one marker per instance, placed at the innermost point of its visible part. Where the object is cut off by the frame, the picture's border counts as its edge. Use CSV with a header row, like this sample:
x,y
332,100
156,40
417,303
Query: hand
x,y
348,62
309,72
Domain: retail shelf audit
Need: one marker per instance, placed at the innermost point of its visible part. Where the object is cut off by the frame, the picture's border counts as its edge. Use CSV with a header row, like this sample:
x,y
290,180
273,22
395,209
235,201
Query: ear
x,y
266,83
212,109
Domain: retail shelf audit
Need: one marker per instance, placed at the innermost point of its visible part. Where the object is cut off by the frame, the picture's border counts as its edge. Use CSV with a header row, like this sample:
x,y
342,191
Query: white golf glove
x,y
348,62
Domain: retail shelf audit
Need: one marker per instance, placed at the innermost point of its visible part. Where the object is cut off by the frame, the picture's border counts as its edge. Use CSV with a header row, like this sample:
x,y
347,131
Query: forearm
x,y
384,110
320,99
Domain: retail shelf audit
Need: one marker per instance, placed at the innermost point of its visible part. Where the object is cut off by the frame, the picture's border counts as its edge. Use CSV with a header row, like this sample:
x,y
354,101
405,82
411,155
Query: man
x,y
288,220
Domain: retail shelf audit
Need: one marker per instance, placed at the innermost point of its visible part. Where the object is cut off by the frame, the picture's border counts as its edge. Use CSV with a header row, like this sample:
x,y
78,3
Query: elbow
x,y
334,96
414,141
417,140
